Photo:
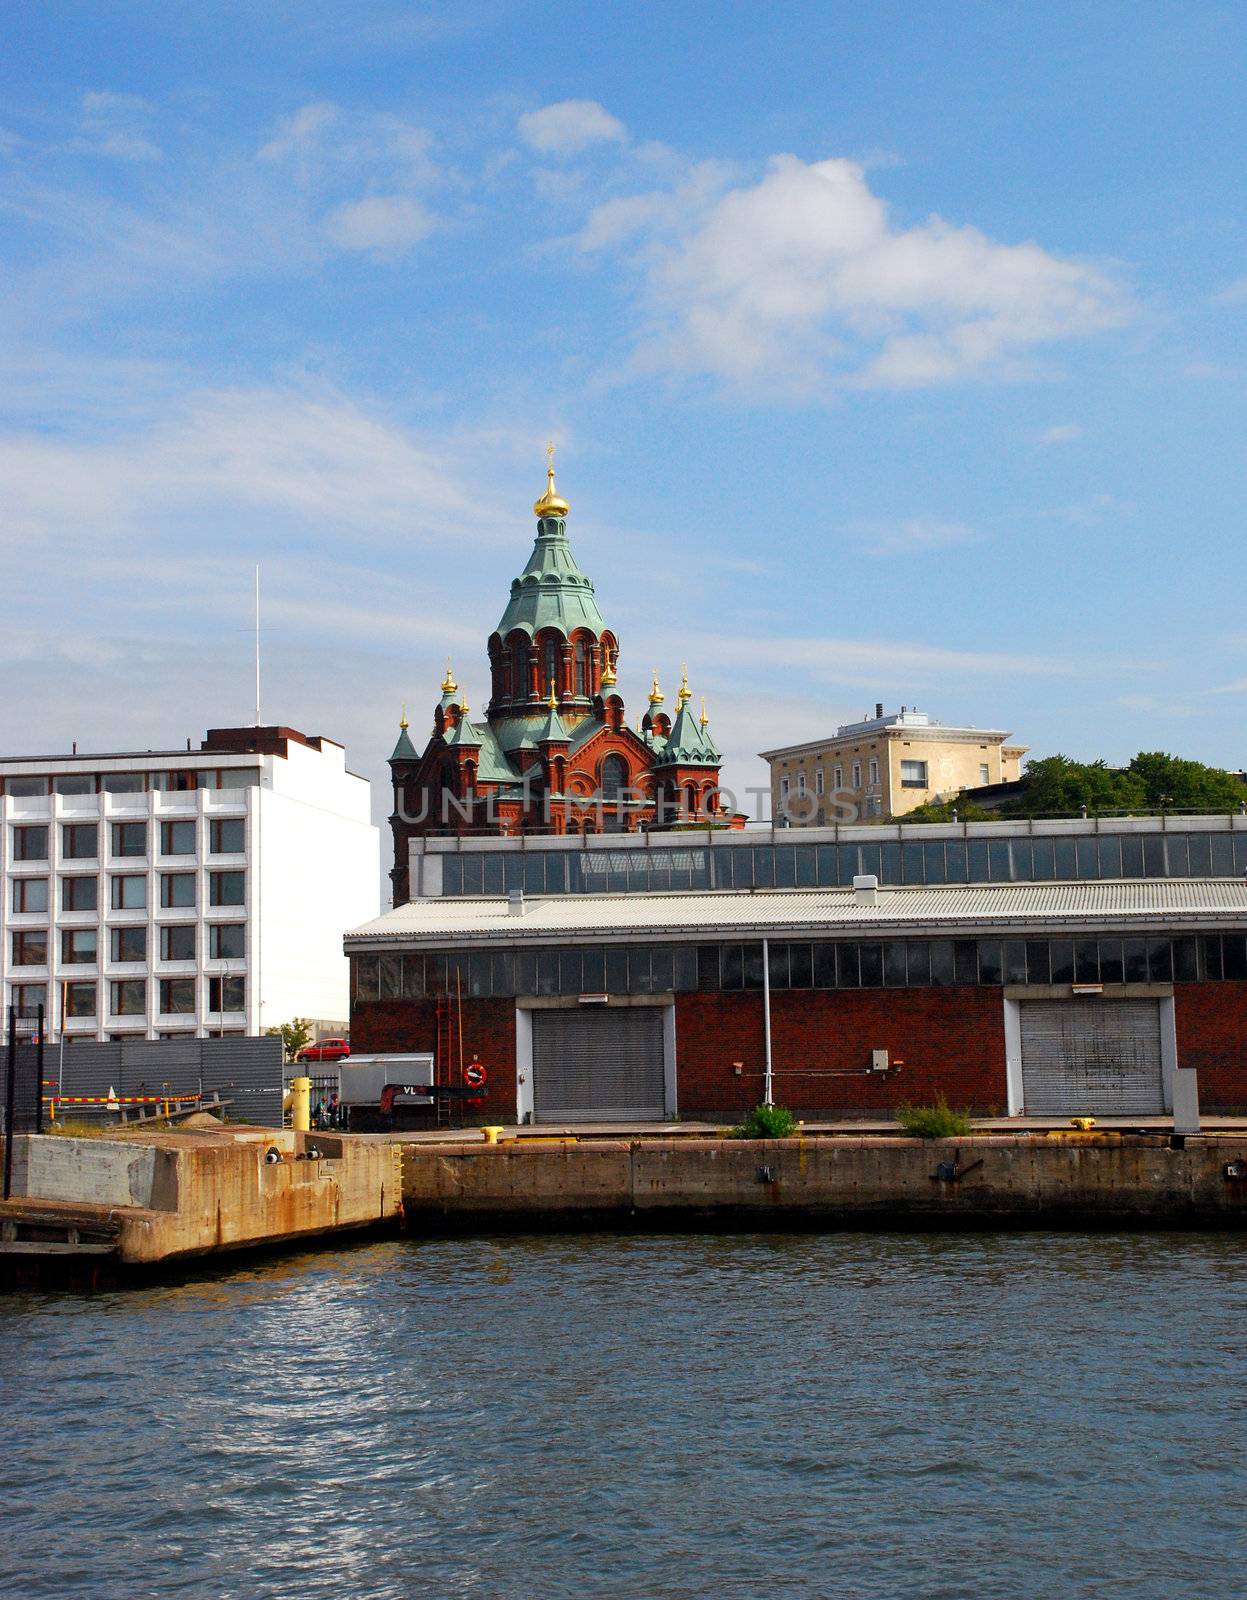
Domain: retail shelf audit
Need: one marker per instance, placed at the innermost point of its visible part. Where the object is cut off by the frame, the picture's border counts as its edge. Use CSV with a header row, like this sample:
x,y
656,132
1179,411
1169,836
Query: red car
x,y
325,1050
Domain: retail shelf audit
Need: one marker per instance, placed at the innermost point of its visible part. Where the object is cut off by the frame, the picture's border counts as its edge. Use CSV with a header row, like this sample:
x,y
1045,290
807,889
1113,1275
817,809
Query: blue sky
x,y
893,352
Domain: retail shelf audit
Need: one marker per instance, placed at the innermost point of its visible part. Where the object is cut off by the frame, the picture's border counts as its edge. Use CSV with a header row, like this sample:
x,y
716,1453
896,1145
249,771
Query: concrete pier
x,y
158,1197
1068,1179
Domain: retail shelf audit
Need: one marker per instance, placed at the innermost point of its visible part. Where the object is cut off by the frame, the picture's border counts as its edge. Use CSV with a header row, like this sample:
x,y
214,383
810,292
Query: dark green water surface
x,y
1021,1415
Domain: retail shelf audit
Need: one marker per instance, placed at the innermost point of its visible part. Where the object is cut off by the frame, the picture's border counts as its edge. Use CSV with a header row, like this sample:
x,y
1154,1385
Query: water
x,y
731,1416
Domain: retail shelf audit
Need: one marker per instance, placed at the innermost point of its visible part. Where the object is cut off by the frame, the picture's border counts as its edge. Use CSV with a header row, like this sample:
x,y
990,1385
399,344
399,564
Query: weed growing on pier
x,y
939,1121
765,1122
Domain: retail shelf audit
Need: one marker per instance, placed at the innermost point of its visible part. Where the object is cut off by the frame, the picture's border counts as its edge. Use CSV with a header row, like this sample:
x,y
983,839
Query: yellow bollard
x,y
301,1104
491,1134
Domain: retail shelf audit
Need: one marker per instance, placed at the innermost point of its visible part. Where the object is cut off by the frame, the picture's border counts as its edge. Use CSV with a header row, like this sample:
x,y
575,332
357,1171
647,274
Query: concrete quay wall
x,y
1109,1178
181,1195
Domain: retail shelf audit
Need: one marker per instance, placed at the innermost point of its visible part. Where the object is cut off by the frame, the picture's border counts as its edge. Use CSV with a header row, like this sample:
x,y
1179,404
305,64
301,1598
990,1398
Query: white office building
x,y
172,894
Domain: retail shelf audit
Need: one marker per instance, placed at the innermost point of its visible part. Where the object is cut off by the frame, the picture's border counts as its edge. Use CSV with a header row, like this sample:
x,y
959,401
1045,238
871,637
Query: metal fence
x,y
246,1072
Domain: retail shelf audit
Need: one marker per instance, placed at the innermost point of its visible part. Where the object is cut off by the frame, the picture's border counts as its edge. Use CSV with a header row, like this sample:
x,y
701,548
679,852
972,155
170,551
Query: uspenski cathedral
x,y
553,752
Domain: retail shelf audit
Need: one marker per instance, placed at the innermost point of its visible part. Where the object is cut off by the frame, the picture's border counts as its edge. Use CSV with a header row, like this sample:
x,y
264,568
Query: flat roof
x,y
1157,905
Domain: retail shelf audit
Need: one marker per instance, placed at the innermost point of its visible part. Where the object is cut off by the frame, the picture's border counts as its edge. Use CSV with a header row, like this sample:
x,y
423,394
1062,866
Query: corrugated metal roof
x,y
1150,904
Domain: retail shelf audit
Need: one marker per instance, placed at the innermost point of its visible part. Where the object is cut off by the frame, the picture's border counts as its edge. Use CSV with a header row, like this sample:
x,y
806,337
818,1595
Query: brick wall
x,y
488,1032
1211,1024
951,1041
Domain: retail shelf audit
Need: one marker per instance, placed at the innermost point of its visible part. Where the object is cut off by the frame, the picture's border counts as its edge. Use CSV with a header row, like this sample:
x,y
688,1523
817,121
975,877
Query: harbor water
x,y
750,1415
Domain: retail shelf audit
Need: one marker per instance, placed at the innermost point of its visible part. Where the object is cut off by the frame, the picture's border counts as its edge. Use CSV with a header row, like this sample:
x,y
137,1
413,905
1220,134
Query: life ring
x,y
474,1075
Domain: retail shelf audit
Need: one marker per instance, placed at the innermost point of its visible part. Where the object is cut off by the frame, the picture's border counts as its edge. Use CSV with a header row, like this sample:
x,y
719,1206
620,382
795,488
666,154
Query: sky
x,y
891,353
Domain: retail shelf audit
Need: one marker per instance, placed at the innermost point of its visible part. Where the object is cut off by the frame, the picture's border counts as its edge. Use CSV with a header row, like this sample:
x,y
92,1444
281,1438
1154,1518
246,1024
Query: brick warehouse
x,y
1044,968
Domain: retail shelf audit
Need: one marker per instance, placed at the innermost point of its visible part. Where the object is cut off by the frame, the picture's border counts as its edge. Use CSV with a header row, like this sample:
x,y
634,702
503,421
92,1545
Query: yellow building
x,y
885,766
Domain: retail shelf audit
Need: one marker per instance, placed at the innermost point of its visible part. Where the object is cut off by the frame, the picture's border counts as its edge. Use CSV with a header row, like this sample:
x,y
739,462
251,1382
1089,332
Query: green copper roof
x,y
551,592
687,744
404,750
462,732
553,728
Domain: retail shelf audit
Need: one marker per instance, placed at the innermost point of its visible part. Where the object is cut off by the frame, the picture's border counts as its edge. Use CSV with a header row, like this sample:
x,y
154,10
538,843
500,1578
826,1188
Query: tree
x,y
1181,785
1057,786
294,1035
942,811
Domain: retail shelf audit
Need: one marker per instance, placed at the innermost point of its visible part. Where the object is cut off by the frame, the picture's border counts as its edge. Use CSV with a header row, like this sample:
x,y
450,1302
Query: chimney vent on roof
x,y
515,902
866,889
878,708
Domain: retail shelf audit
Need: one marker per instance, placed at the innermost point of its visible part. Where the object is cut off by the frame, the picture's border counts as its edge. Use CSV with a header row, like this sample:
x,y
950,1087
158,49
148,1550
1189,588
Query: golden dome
x,y
553,699
685,694
704,720
608,669
449,686
402,721
655,694
551,503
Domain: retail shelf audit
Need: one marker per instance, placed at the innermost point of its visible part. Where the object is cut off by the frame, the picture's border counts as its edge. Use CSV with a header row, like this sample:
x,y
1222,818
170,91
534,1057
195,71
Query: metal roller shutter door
x,y
602,1066
1097,1056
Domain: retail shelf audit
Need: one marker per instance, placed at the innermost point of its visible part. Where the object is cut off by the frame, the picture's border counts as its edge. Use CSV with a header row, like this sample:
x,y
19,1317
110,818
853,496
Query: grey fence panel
x,y
247,1072
250,1072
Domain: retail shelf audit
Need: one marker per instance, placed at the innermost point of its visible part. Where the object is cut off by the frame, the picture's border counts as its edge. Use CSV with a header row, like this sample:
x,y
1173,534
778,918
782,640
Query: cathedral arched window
x,y
582,675
614,777
552,667
519,670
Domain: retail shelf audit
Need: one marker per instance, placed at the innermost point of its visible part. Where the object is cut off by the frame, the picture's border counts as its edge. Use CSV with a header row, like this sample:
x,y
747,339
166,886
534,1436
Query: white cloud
x,y
384,223
913,535
229,464
113,125
570,126
1060,433
1234,294
299,131
801,279
1093,512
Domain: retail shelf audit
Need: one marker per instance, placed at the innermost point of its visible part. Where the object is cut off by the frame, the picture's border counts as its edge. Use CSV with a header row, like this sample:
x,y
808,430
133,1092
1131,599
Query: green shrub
x,y
939,1121
765,1122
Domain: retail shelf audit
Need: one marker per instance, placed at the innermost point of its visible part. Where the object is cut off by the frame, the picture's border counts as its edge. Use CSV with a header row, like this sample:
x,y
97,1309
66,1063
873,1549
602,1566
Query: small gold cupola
x,y
685,694
608,669
551,503
656,696
703,720
449,686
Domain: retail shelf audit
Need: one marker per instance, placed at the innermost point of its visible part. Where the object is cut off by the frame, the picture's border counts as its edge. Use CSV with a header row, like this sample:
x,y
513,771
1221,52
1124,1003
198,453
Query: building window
x,y
129,838
913,775
552,668
857,774
30,844
582,676
123,783
227,994
177,943
80,1000
874,769
25,788
229,836
175,782
129,997
227,941
800,782
129,944
837,778
177,996
984,773
818,780
79,946
80,894
28,997
227,888
30,949
177,889
80,841
177,838
30,894
783,788
75,783
129,892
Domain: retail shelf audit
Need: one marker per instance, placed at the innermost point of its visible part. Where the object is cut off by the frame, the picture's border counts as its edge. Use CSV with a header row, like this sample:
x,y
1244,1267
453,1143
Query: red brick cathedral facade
x,y
553,753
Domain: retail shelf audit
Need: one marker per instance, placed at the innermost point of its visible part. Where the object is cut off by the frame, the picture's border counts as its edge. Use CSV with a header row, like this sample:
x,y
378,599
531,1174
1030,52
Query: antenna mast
x,y
257,644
